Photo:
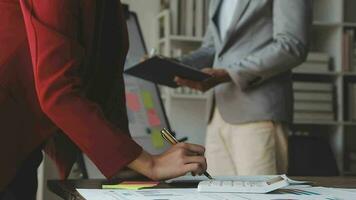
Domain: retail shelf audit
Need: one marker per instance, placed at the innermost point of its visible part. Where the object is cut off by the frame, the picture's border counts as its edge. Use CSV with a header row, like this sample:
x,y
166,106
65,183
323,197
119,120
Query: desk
x,y
67,189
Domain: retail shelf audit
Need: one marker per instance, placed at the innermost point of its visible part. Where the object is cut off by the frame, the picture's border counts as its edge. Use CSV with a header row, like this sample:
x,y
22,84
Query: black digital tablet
x,y
161,70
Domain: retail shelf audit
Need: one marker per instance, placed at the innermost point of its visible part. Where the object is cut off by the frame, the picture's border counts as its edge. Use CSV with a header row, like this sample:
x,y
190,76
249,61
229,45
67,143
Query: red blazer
x,y
43,44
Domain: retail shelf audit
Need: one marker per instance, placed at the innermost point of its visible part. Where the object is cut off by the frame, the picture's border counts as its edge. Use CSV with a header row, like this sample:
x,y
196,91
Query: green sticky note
x,y
147,99
123,187
157,139
131,185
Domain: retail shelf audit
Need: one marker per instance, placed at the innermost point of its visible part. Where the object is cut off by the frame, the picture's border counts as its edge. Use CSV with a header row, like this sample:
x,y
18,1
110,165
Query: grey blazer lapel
x,y
215,6
239,11
214,12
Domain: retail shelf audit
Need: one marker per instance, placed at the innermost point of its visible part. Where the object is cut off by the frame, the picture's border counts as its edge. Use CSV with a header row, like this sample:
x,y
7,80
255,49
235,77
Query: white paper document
x,y
295,191
189,194
337,193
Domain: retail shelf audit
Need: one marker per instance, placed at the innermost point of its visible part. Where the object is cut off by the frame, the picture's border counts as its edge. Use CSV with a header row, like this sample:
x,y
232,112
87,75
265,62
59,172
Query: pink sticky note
x,y
153,118
132,101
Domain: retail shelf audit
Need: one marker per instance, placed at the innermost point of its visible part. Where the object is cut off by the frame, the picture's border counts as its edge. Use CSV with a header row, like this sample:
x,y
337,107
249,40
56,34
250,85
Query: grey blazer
x,y
266,40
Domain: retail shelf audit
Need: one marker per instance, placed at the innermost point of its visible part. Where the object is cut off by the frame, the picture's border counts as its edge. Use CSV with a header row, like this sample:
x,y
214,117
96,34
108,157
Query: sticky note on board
x,y
131,185
157,140
133,102
153,118
147,99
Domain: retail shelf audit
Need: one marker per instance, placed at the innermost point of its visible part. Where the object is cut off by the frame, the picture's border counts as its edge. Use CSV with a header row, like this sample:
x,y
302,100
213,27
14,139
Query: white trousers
x,y
258,148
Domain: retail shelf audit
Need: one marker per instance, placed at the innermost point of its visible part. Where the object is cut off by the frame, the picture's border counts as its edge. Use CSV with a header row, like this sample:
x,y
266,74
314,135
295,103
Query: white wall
x,y
146,10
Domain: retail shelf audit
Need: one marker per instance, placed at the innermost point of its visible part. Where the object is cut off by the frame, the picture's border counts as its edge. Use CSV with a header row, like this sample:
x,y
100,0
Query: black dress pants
x,y
24,185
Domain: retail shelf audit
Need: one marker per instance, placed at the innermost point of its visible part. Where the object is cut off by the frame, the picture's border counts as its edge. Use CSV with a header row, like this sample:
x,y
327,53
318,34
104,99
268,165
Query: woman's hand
x,y
218,76
177,161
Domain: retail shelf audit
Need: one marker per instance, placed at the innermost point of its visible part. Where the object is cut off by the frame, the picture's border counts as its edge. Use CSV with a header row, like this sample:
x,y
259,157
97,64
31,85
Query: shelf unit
x,y
331,18
185,106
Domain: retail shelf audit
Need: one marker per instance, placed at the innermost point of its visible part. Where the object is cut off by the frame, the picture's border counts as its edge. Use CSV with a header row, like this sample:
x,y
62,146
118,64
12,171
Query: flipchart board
x,y
145,110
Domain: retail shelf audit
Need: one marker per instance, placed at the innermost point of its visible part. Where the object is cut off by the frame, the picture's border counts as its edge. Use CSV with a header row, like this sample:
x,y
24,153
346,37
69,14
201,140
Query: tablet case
x,y
162,71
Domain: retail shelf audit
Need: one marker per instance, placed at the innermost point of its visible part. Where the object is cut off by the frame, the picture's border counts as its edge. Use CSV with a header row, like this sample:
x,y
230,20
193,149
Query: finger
x,y
209,71
183,152
195,85
145,57
190,153
196,159
189,83
193,148
177,79
186,81
194,168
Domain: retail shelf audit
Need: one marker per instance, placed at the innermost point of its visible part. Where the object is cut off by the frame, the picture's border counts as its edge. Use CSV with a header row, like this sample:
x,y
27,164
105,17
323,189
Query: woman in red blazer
x,y
61,87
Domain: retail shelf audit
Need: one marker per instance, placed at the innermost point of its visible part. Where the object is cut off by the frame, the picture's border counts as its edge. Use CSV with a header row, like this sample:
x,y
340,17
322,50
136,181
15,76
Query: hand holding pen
x,y
172,140
178,160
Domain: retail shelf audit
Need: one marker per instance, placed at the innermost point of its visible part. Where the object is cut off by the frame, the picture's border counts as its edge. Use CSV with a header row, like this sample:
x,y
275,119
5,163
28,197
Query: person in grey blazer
x,y
250,48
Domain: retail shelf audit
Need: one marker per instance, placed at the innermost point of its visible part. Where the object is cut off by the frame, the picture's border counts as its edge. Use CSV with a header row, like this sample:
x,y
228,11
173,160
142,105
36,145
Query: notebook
x,y
161,70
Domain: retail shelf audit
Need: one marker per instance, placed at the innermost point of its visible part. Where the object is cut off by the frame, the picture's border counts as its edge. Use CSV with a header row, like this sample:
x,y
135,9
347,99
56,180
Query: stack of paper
x,y
316,62
313,101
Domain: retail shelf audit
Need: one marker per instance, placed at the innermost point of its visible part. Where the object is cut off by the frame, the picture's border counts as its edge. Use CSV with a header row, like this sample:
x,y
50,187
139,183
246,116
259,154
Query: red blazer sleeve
x,y
52,27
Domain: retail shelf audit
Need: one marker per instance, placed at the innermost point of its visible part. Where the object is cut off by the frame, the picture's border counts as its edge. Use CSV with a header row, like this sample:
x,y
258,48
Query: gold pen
x,y
171,139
